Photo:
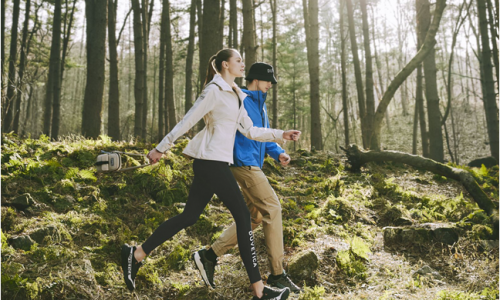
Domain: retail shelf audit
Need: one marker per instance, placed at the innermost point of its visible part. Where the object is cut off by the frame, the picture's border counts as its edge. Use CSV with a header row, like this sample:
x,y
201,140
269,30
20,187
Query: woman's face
x,y
264,86
235,65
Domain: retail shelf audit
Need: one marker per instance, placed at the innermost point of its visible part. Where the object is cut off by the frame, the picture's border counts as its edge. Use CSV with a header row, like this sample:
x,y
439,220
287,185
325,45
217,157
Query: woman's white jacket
x,y
223,115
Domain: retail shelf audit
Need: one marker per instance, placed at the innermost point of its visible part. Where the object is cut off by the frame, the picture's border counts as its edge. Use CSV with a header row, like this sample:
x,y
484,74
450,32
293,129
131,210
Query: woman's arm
x,y
245,126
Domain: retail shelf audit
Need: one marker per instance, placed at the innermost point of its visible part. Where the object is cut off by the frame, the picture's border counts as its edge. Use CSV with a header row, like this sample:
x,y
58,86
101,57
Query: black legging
x,y
212,177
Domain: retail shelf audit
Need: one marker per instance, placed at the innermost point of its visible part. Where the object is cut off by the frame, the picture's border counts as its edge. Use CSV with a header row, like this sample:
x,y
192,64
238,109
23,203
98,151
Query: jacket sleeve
x,y
204,104
245,126
274,150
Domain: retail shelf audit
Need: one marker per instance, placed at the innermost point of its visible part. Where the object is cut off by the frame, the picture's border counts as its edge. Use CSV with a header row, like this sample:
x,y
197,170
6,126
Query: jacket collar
x,y
223,85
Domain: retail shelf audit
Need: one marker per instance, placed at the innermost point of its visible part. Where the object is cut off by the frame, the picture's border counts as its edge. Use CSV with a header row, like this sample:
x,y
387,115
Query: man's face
x,y
264,86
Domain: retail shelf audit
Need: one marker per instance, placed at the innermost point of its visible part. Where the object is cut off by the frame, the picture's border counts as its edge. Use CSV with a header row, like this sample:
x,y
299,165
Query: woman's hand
x,y
291,135
154,156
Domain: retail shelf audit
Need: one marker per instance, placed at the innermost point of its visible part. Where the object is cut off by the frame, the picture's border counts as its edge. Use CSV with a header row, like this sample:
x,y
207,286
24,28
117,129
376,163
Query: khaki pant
x,y
264,208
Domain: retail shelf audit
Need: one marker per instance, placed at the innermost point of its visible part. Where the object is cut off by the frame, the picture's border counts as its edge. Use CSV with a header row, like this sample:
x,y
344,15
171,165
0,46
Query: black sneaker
x,y
130,266
205,266
284,281
270,293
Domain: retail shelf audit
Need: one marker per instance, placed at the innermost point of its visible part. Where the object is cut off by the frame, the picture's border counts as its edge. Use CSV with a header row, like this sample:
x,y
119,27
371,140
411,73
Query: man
x,y
259,196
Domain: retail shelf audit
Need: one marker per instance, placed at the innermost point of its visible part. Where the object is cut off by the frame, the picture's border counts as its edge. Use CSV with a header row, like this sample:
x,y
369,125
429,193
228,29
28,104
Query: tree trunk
x,y
488,84
209,36
343,71
233,24
22,66
139,69
436,150
419,102
370,99
8,108
169,73
114,88
221,23
145,40
96,12
494,35
3,46
428,45
312,40
56,79
161,76
357,158
274,8
357,74
67,36
248,40
189,58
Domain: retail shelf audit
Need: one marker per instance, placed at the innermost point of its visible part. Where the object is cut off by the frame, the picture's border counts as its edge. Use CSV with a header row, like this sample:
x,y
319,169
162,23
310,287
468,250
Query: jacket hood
x,y
255,95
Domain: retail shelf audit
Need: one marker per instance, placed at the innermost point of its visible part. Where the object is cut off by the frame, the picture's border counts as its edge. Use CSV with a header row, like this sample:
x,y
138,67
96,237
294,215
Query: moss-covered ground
x,y
77,219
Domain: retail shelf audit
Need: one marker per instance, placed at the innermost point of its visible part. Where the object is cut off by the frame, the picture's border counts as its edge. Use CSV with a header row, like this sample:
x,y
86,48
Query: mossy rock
x,y
49,231
23,242
23,202
412,237
303,265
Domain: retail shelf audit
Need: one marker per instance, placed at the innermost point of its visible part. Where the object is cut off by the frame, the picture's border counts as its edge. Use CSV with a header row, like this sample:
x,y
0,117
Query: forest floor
x,y
63,225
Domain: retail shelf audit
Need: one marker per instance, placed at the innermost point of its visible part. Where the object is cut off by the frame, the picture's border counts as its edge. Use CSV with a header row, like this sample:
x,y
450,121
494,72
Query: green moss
x,y
314,293
178,258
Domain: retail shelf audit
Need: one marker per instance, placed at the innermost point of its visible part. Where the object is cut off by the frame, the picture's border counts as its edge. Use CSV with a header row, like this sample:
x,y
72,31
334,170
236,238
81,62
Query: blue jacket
x,y
249,152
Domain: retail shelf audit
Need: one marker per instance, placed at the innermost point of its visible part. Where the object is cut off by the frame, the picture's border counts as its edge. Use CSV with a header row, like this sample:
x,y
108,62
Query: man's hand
x,y
154,156
291,135
284,159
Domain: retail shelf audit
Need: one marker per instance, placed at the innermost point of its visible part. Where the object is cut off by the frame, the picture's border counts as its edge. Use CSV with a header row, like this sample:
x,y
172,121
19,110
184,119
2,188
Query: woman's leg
x,y
219,176
200,194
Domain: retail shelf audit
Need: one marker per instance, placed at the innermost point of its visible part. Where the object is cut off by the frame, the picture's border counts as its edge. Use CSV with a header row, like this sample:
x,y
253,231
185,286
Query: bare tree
x,y
114,88
248,40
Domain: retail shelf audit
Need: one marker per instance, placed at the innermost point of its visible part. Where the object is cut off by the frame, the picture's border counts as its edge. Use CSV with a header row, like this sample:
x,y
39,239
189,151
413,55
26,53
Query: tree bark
x,y
358,157
248,40
221,23
114,87
428,45
8,108
67,36
274,8
139,69
209,36
488,84
189,58
494,35
419,102
169,73
370,99
3,46
145,40
343,71
357,74
311,24
161,76
96,12
22,66
233,24
436,150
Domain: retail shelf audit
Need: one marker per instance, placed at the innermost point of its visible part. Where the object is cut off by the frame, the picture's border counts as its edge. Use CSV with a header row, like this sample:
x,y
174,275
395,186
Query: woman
x,y
221,107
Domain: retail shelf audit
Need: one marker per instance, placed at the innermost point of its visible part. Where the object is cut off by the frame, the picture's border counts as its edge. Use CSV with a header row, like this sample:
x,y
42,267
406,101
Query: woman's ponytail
x,y
210,70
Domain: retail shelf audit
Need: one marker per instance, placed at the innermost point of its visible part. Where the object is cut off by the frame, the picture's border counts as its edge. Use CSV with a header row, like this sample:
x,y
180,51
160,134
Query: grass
x,y
80,218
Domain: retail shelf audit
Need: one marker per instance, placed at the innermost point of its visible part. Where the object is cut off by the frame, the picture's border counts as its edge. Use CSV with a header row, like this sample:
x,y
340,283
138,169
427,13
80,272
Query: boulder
x,y
488,162
23,242
303,265
420,235
22,202
40,234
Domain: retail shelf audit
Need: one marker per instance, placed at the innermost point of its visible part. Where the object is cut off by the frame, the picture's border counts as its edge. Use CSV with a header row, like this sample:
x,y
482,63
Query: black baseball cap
x,y
261,71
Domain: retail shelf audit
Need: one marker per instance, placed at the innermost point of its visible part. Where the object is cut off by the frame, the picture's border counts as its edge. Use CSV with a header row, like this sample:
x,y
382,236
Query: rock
x,y
23,202
488,162
403,222
41,233
428,272
420,235
303,265
23,242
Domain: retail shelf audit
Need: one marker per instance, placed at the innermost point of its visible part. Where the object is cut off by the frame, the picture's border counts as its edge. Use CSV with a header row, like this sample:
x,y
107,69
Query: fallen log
x,y
358,157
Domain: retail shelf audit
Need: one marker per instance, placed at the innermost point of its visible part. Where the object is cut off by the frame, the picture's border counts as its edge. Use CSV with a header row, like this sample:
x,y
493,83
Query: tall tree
x,y
67,34
169,74
221,23
274,8
248,40
311,11
357,74
139,69
161,76
494,35
233,24
488,83
22,65
3,47
189,57
427,46
8,107
145,40
343,71
436,150
114,88
96,13
370,98
209,36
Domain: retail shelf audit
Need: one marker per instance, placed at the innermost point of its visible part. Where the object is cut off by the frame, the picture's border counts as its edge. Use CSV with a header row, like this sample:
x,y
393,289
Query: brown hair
x,y
215,62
